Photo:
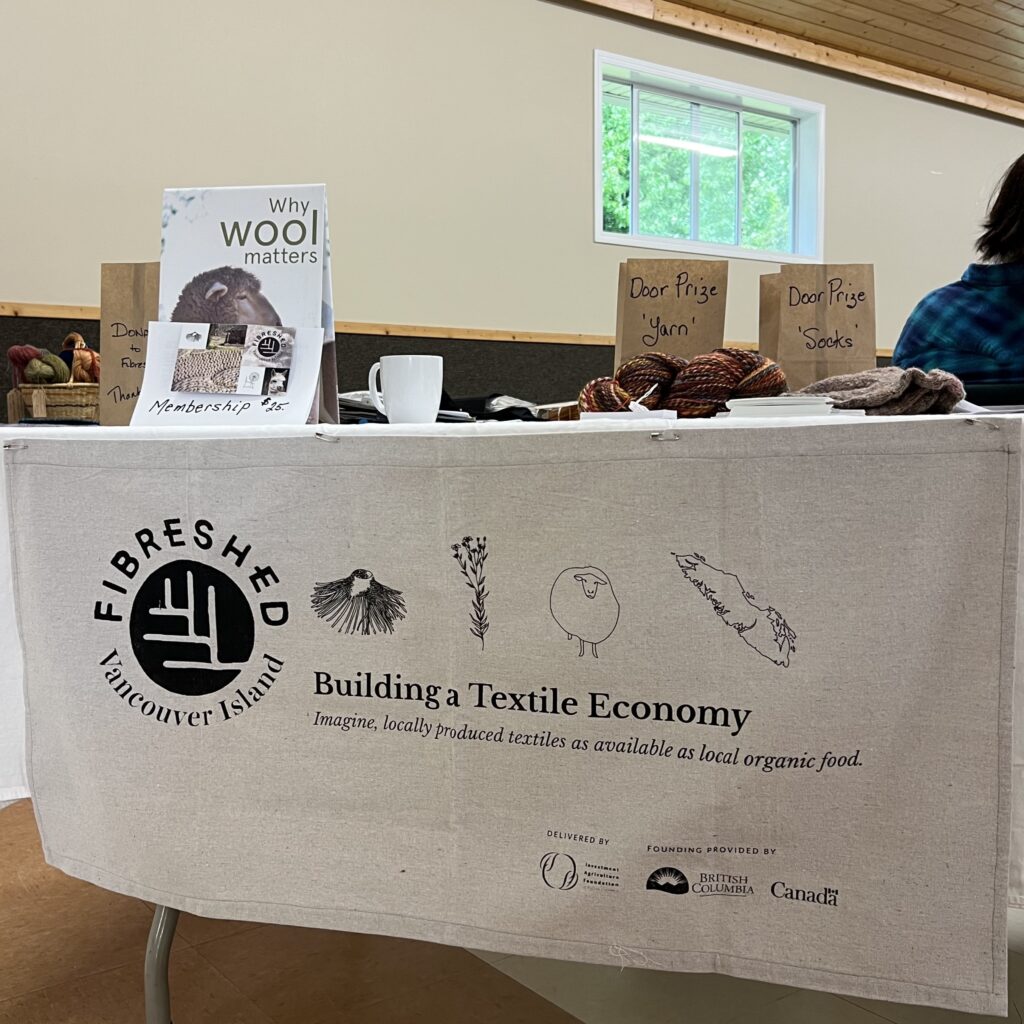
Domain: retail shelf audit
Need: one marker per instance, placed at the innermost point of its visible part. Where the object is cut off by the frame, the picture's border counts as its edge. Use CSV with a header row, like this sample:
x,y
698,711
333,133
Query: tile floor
x,y
72,954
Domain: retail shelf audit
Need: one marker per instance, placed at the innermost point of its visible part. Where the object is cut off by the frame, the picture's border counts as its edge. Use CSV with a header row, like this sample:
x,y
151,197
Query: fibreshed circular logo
x,y
269,344
191,628
194,625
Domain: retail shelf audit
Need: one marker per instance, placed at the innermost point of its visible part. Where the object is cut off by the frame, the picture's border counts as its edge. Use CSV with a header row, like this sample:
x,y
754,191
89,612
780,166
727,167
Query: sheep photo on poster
x,y
250,255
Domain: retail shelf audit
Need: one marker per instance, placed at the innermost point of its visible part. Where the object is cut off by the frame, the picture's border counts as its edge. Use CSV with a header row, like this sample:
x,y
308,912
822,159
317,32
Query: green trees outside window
x,y
701,172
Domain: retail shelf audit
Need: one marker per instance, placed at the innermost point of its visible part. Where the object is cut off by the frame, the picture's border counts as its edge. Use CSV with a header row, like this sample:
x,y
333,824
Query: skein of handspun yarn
x,y
19,356
708,381
47,369
651,370
603,394
85,366
700,387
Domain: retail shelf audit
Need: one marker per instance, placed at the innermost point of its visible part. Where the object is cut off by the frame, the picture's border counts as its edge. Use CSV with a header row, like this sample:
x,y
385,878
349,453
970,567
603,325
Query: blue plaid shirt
x,y
973,328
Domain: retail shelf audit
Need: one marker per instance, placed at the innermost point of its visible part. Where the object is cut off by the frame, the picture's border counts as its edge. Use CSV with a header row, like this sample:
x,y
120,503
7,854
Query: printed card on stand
x,y
258,375
233,359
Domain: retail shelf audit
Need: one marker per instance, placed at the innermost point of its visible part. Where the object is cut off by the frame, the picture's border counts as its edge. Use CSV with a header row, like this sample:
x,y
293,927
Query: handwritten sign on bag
x,y
675,306
128,301
826,320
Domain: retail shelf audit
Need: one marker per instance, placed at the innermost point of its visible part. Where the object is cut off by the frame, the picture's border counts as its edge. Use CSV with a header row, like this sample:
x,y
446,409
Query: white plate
x,y
781,401
779,411
780,405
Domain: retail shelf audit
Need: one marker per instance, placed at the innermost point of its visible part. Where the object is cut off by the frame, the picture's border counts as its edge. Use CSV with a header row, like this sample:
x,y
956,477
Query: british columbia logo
x,y
193,626
670,880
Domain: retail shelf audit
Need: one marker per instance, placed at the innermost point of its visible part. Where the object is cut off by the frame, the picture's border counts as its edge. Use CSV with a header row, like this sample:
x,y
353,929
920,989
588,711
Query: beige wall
x,y
455,137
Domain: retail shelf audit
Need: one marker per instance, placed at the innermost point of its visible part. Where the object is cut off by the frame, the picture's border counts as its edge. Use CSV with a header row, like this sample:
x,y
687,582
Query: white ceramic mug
x,y
411,387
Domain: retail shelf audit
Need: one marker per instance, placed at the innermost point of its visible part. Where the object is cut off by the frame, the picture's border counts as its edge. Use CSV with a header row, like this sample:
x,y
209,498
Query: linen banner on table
x,y
598,696
13,783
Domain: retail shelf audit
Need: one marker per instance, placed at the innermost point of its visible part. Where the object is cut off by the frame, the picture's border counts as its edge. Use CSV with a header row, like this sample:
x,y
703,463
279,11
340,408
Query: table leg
x,y
158,952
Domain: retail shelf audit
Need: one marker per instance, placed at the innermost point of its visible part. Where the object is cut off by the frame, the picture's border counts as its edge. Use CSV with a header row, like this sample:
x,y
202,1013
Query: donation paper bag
x,y
128,301
675,306
768,316
826,321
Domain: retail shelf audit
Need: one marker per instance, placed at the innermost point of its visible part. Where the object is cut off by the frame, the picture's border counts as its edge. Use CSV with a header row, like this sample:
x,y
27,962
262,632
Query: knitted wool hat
x,y
892,391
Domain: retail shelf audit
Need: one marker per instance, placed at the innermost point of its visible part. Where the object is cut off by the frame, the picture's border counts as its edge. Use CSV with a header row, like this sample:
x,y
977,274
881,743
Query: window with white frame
x,y
694,164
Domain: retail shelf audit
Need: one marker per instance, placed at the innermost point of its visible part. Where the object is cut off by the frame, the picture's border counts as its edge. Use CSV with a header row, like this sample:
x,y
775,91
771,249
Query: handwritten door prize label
x,y
826,321
128,301
675,306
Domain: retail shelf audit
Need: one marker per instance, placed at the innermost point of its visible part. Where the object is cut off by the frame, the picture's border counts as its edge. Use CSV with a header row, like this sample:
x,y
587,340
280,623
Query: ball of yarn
x,y
604,395
708,381
650,370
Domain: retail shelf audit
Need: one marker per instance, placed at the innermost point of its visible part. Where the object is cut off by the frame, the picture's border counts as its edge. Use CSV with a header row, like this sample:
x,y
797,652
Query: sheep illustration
x,y
358,604
760,627
584,604
227,295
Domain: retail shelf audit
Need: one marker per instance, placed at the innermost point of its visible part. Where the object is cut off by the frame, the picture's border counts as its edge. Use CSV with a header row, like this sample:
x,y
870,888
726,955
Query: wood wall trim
x,y
470,334
49,312
682,17
52,312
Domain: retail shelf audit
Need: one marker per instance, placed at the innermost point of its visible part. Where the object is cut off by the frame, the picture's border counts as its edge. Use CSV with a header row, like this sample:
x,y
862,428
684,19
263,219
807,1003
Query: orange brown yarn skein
x,y
603,394
651,370
700,387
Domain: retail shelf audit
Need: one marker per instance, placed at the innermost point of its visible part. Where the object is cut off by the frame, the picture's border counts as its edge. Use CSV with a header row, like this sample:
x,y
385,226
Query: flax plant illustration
x,y
471,555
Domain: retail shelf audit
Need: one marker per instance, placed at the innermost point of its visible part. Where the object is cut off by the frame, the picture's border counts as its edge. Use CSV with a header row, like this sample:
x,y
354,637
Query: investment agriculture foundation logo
x,y
193,626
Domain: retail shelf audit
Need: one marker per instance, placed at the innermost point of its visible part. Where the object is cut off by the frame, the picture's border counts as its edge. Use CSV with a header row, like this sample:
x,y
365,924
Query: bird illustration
x,y
358,604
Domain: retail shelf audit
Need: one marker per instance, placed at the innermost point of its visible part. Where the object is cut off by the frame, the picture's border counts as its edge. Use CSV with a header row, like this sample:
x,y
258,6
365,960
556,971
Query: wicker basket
x,y
61,401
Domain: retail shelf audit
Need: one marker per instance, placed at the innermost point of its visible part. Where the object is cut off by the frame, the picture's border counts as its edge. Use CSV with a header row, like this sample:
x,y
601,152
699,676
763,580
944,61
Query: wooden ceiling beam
x,y
952,83
820,21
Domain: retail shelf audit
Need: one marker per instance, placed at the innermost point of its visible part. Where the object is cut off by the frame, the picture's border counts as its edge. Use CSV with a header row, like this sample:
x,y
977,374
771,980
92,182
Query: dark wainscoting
x,y
534,371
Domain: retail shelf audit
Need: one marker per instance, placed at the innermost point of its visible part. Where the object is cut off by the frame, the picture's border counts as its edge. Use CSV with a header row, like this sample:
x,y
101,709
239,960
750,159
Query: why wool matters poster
x,y
250,255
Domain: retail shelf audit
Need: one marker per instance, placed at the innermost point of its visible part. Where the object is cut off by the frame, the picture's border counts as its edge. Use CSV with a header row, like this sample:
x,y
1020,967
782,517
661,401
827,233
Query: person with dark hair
x,y
974,328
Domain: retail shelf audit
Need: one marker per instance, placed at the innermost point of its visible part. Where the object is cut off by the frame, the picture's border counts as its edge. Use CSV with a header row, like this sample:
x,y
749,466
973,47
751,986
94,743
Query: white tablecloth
x,y
13,781
876,611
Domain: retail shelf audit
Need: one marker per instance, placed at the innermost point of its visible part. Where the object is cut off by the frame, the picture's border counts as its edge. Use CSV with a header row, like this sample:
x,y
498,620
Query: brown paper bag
x,y
826,321
768,316
128,301
327,392
675,306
